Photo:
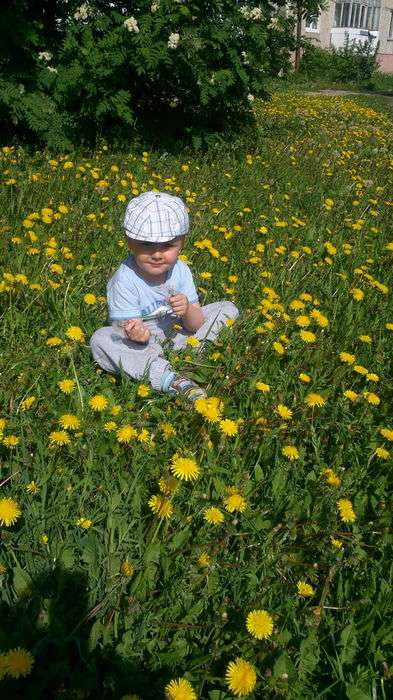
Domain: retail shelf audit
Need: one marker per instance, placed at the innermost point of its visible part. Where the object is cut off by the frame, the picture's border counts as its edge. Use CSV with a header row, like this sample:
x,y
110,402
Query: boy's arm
x,y
190,314
193,318
134,329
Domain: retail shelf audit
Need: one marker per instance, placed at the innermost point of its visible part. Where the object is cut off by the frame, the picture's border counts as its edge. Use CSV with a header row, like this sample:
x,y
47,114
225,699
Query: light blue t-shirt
x,y
131,296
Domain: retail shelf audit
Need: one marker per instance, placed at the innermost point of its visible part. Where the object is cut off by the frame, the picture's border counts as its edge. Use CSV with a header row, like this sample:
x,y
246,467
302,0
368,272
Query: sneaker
x,y
186,387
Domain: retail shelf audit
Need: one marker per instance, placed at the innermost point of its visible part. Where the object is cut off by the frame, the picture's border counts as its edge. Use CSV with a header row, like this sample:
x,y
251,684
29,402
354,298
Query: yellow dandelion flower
x,y
90,299
346,511
387,433
213,516
75,333
192,341
127,568
389,326
284,412
372,398
297,305
143,436
69,422
360,369
168,485
115,410
59,437
143,390
331,477
168,430
290,452
126,433
84,523
305,590
308,336
382,453
357,294
161,507
9,511
54,341
366,339
241,677
347,358
210,408
11,440
304,377
32,488
314,400
66,385
261,386
338,544
204,560
302,321
27,403
180,689
109,426
279,348
184,468
351,395
235,502
99,402
229,427
18,662
259,624
372,377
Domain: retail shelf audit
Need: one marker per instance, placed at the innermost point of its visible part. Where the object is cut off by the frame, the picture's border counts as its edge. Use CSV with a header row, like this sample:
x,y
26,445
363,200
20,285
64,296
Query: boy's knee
x,y
229,309
98,338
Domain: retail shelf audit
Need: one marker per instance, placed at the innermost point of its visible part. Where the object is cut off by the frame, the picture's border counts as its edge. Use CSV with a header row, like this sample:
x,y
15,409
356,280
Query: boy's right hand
x,y
136,331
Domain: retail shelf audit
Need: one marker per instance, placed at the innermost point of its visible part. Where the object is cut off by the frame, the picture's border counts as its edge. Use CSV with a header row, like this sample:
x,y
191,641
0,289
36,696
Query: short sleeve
x,y
187,285
123,300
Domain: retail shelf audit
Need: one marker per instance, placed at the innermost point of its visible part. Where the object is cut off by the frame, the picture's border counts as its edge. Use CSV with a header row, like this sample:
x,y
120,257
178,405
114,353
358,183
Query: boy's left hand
x,y
179,304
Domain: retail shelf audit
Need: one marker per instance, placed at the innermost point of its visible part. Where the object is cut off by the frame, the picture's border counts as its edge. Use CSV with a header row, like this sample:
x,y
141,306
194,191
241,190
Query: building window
x,y
358,14
390,35
312,23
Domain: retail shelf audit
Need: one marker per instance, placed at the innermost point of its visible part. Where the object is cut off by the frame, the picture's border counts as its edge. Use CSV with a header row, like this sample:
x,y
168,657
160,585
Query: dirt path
x,y
387,95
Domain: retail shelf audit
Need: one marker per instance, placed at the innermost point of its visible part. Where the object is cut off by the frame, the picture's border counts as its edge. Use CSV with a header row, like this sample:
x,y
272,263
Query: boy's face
x,y
155,259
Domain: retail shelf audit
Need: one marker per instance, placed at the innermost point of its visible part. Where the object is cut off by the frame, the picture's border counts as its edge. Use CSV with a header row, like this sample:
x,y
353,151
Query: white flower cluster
x,y
155,6
245,59
173,40
274,22
82,12
131,24
44,56
252,13
250,97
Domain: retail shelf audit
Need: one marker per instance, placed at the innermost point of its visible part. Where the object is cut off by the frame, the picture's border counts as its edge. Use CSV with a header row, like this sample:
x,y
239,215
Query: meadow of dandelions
x,y
241,548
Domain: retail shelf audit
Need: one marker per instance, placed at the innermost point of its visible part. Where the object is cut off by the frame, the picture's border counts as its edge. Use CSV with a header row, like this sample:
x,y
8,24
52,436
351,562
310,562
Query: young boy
x,y
150,292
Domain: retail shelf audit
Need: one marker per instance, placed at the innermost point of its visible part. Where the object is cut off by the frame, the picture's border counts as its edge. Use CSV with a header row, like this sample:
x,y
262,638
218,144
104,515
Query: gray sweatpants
x,y
112,349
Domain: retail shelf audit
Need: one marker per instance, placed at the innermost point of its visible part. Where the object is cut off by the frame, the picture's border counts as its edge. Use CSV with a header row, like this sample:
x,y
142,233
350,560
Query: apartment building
x,y
359,20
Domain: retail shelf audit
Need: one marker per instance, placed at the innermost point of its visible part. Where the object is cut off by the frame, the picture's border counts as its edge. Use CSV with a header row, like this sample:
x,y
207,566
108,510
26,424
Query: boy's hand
x,y
136,331
179,304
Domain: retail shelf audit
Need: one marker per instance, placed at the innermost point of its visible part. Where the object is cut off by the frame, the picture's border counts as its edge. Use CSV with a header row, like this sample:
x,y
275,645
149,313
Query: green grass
x,y
264,203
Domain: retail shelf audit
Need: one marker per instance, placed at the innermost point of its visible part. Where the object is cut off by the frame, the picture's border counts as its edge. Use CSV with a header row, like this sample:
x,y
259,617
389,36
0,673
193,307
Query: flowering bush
x,y
160,66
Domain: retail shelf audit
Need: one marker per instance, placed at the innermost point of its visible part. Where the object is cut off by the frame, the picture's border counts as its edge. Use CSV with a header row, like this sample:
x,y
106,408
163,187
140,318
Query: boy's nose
x,y
156,254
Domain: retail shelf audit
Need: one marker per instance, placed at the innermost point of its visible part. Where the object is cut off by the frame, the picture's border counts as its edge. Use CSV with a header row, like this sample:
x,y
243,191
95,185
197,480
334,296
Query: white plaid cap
x,y
156,217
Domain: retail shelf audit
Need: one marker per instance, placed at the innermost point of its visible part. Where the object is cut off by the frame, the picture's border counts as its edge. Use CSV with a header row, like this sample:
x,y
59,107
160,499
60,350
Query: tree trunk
x,y
299,12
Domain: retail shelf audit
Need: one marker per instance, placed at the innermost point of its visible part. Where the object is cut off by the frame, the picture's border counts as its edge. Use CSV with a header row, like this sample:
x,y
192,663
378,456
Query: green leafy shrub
x,y
159,67
354,62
